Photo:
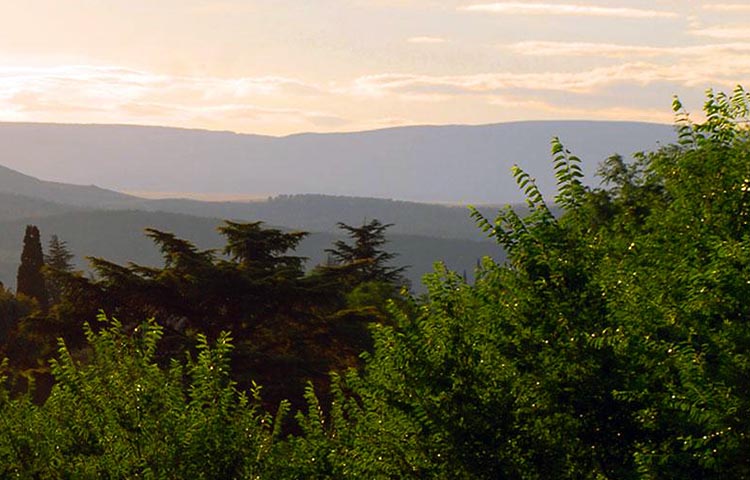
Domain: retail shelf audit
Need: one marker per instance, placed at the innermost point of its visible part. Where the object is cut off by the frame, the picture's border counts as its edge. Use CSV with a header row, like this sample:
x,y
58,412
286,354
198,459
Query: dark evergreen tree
x,y
58,259
285,323
58,255
366,253
30,280
255,247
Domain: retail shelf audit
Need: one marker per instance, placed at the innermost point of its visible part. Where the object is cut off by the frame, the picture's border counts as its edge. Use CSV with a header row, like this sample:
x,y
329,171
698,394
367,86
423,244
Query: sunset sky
x,y
285,66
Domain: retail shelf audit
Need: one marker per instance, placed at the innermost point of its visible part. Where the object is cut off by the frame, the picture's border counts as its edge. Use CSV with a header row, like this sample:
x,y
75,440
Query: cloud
x,y
416,86
278,104
727,7
531,8
710,68
85,93
723,32
583,49
544,109
432,40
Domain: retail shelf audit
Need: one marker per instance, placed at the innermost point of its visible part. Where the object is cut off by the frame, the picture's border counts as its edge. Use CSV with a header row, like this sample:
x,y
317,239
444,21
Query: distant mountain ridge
x,y
22,196
455,164
13,182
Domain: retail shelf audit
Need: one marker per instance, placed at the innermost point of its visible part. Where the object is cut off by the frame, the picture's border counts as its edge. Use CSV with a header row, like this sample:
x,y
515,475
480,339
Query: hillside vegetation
x,y
613,344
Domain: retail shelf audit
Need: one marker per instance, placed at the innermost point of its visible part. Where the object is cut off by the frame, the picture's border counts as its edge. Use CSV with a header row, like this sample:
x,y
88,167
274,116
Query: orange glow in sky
x,y
284,66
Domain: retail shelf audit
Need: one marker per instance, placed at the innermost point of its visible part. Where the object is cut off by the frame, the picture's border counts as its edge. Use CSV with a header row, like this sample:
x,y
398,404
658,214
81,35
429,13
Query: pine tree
x,y
254,247
30,280
366,252
58,256
58,259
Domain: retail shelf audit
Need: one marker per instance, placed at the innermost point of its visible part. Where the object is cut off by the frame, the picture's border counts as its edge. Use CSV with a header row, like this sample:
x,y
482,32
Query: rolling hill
x,y
454,164
318,213
14,182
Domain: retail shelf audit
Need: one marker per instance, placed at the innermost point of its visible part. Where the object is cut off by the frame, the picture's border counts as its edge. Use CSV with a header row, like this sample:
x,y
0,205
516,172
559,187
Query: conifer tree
x,y
58,255
30,280
58,259
366,252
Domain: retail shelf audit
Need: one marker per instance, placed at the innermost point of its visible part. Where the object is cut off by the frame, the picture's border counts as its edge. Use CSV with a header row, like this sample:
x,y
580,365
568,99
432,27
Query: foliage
x,y
290,326
30,281
613,344
120,415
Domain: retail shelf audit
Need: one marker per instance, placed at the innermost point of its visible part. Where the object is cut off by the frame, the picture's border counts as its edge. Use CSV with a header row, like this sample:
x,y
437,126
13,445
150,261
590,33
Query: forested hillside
x,y
118,235
612,343
97,222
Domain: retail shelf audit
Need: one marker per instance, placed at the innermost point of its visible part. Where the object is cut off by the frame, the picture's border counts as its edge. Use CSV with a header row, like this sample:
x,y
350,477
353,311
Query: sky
x,y
279,67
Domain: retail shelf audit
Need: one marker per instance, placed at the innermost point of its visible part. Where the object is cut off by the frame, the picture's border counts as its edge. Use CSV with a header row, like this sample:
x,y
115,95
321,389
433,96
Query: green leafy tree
x,y
612,344
122,415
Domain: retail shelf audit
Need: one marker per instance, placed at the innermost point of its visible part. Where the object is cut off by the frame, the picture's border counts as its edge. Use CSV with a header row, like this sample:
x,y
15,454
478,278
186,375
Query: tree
x,y
612,344
58,255
121,415
30,280
256,247
366,254
284,321
58,259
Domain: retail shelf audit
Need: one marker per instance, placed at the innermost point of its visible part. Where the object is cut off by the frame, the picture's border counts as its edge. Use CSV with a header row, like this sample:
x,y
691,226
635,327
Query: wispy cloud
x,y
727,7
532,8
114,94
545,109
416,86
723,32
272,104
584,49
428,40
694,71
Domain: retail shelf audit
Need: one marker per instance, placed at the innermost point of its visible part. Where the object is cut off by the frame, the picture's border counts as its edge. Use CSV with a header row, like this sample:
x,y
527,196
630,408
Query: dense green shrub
x,y
119,415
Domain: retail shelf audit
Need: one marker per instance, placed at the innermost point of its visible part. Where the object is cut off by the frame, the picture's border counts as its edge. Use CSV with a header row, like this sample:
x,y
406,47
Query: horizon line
x,y
341,132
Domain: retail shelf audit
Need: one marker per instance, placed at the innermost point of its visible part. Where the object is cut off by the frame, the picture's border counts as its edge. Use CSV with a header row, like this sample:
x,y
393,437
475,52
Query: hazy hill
x,y
307,212
118,236
320,213
18,183
14,206
456,164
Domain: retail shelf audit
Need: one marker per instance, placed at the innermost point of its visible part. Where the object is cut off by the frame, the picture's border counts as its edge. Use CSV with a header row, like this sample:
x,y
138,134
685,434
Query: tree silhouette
x,y
58,259
366,253
30,280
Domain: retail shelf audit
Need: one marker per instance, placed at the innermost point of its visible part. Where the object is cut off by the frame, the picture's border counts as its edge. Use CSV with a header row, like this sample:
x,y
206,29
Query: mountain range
x,y
438,163
447,164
